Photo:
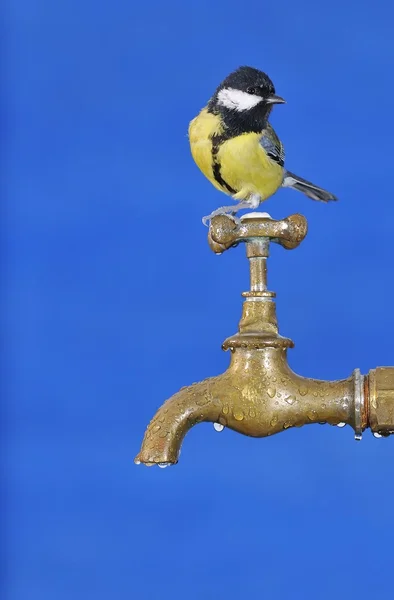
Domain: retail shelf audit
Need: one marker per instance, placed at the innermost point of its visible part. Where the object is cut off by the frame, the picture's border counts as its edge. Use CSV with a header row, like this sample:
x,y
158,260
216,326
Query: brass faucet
x,y
259,395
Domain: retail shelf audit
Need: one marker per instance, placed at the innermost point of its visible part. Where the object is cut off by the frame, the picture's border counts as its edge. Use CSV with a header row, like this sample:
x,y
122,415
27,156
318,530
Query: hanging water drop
x,y
218,426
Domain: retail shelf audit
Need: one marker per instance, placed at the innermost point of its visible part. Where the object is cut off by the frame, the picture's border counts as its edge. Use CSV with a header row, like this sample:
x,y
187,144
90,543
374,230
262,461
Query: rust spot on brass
x,y
259,395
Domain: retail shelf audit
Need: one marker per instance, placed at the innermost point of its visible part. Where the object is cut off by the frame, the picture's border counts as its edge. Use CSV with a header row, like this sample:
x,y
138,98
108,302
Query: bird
x,y
236,148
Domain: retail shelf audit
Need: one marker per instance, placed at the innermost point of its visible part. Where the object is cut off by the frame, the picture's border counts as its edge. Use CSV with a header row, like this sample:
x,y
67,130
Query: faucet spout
x,y
163,438
258,396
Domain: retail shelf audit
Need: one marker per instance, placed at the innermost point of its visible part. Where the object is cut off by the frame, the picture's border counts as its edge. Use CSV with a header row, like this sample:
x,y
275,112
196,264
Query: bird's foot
x,y
223,210
232,210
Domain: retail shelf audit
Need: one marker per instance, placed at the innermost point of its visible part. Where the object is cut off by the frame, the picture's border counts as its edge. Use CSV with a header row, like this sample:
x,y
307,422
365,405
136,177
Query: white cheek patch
x,y
237,99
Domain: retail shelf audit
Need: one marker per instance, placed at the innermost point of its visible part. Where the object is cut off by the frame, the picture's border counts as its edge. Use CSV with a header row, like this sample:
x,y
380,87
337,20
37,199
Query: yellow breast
x,y
247,168
244,165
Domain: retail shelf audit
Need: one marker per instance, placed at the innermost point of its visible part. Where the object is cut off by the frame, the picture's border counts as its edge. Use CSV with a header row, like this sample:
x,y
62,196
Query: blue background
x,y
112,301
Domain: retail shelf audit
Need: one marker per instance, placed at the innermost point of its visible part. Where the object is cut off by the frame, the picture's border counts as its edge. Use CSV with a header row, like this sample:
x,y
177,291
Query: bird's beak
x,y
274,99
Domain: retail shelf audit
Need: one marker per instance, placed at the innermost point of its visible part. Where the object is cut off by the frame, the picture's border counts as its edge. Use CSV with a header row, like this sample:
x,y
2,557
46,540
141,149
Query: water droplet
x,y
322,423
271,391
274,421
149,464
164,465
377,435
238,414
358,437
287,424
252,413
156,427
311,415
274,379
225,409
315,394
137,462
303,390
218,426
290,399
341,424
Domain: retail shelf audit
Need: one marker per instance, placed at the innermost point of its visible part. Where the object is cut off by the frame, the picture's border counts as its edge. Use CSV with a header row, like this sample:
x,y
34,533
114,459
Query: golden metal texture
x,y
259,395
225,231
381,400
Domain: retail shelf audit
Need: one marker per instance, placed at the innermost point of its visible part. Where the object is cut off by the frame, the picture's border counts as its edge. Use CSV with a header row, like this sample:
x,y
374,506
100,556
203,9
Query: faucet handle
x,y
225,231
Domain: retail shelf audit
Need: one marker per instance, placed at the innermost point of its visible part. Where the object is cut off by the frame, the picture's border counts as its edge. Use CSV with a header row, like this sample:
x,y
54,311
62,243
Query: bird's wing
x,y
272,145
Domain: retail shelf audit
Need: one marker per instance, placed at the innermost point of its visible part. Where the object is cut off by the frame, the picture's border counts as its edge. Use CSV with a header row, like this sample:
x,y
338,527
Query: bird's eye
x,y
252,90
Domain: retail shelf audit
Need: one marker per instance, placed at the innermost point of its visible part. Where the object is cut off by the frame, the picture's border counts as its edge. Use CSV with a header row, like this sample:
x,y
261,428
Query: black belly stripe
x,y
217,141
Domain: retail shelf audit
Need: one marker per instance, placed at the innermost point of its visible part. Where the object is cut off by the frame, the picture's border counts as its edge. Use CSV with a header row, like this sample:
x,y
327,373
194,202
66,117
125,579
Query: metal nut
x,y
381,400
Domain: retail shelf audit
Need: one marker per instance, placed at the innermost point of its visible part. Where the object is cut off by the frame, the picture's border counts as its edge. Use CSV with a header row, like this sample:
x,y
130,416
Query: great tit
x,y
236,148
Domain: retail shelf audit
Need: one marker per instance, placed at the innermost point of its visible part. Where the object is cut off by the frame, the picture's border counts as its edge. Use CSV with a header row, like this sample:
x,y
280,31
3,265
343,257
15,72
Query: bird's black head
x,y
244,100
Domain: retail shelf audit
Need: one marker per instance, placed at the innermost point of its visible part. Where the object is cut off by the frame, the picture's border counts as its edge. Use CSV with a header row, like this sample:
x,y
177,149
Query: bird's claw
x,y
227,212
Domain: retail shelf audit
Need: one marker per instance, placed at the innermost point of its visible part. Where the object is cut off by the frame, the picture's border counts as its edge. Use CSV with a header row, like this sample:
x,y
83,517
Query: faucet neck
x,y
258,327
257,252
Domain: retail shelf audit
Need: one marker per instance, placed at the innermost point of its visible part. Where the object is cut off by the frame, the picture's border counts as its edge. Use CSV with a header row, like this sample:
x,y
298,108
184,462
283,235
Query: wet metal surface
x,y
259,395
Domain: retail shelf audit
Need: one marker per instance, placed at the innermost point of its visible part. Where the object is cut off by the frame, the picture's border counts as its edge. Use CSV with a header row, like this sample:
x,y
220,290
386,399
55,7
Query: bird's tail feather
x,y
308,188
